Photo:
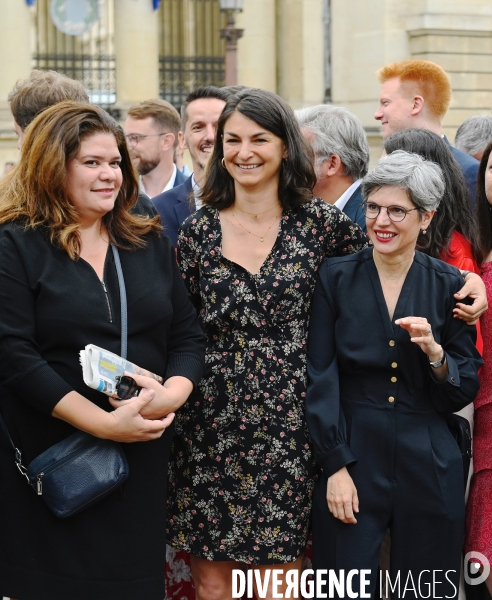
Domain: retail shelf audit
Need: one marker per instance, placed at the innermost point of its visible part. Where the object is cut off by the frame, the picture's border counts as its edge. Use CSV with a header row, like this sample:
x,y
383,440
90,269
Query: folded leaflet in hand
x,y
101,367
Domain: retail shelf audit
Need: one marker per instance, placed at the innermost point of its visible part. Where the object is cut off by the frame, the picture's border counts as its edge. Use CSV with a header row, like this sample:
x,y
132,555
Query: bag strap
x,y
17,452
124,313
124,345
6,432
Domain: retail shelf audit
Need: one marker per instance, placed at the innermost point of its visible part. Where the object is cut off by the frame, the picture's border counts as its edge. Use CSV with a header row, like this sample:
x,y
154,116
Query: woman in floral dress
x,y
242,470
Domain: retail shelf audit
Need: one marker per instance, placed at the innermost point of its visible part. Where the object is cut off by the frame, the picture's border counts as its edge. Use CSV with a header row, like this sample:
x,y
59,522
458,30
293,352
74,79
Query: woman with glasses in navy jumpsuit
x,y
386,361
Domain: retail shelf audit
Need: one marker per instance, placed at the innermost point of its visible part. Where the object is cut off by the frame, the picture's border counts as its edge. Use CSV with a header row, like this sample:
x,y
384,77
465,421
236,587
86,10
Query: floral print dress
x,y
242,471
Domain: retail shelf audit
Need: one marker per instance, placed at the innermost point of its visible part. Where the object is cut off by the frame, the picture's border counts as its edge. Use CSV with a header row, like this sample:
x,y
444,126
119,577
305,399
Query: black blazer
x,y
354,211
144,206
178,180
469,167
174,206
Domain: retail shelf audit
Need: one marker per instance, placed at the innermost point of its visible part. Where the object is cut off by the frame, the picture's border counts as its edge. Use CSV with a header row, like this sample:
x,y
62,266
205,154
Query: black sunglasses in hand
x,y
126,387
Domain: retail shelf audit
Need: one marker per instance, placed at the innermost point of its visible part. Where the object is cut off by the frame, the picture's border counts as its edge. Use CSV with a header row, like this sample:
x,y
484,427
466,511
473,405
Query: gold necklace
x,y
261,237
254,214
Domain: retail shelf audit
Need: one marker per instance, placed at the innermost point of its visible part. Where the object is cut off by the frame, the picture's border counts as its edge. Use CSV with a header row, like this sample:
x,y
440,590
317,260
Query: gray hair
x,y
337,131
421,179
474,134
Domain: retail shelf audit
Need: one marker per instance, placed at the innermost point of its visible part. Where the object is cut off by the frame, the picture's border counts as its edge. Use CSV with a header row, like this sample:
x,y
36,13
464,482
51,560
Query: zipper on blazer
x,y
107,302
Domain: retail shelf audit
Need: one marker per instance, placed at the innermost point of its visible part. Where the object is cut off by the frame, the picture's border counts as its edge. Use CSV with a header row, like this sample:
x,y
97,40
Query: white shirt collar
x,y
196,192
345,197
169,184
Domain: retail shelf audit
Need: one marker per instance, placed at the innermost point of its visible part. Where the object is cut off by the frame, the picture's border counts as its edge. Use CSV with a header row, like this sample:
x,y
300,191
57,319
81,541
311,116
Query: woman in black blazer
x,y
386,361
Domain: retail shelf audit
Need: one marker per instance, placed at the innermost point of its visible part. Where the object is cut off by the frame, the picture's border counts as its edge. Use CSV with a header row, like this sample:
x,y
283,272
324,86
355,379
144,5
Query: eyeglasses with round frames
x,y
395,213
133,138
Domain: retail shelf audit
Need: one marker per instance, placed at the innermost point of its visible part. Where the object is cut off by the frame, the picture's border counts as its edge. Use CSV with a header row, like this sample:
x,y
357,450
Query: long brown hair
x,y
454,212
297,177
484,209
36,193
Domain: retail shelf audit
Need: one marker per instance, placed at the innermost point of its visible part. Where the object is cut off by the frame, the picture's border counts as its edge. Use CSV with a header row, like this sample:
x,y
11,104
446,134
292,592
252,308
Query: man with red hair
x,y
416,94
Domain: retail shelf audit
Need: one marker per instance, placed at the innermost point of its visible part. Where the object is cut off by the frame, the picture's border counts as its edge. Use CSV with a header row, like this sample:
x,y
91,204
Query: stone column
x,y
300,51
231,35
137,52
456,34
15,44
363,40
15,61
462,45
256,50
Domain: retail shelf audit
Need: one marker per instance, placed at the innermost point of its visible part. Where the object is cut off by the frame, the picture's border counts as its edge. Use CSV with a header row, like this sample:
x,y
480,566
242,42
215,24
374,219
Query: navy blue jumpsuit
x,y
374,406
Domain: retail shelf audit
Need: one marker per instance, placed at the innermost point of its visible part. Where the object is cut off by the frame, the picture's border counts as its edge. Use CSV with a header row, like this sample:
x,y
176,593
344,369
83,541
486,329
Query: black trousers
x,y
418,494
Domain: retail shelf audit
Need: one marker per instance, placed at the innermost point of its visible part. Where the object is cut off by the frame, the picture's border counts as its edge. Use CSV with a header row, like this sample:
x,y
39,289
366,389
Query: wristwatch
x,y
438,363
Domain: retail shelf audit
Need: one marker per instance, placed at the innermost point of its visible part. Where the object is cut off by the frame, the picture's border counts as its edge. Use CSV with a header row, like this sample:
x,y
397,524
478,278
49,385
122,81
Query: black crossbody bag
x,y
81,469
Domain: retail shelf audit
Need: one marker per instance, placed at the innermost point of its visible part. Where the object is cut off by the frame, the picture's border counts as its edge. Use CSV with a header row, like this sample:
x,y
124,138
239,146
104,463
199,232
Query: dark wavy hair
x,y
37,194
454,212
484,209
297,177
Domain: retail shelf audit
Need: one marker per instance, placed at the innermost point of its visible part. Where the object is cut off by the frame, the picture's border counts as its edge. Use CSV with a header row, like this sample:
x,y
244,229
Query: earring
x,y
222,162
424,231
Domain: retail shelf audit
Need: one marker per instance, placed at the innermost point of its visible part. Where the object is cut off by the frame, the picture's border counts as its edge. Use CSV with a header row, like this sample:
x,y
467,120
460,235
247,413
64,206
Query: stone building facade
x,y
308,51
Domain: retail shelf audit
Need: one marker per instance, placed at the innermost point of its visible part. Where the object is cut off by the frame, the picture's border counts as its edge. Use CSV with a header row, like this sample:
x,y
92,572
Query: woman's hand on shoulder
x,y
126,423
341,495
166,399
474,288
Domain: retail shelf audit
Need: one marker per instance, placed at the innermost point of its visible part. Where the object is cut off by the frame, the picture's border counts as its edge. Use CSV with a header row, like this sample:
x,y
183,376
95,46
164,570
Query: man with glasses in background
x,y
151,130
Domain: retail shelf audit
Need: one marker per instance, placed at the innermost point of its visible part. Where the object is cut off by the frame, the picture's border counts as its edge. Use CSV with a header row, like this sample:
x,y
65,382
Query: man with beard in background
x,y
151,130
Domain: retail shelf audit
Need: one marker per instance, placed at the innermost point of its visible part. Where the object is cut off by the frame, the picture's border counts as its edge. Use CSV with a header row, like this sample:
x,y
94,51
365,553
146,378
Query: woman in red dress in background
x,y
479,509
452,234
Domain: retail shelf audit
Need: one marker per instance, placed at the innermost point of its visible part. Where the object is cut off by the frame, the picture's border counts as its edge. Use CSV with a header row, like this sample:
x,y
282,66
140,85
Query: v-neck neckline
x,y
391,329
267,258
106,258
